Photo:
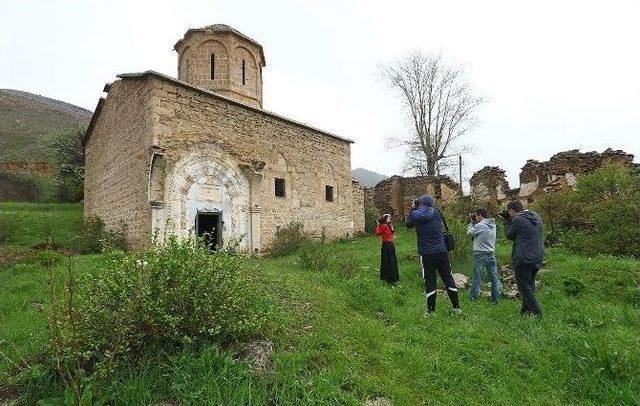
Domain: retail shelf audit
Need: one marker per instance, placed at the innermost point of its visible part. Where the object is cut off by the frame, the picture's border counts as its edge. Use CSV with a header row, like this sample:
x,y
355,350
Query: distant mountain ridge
x,y
367,177
27,118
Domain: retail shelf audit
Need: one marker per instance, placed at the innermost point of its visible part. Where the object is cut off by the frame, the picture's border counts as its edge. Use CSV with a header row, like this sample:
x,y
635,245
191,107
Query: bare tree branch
x,y
440,105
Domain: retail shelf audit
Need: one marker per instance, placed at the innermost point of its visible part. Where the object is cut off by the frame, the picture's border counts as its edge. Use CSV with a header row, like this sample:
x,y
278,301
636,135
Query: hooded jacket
x,y
428,224
526,231
484,235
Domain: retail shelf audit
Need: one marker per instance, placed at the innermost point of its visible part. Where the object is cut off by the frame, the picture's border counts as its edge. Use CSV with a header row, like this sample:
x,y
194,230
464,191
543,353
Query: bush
x,y
94,238
461,255
8,228
602,215
288,240
161,300
370,219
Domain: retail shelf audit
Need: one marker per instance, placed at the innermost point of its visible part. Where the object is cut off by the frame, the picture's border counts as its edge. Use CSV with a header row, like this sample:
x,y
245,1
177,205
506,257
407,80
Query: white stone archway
x,y
204,179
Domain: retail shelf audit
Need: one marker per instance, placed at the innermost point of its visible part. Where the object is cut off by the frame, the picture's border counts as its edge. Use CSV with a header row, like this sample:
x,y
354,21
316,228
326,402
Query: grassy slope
x,y
345,338
25,119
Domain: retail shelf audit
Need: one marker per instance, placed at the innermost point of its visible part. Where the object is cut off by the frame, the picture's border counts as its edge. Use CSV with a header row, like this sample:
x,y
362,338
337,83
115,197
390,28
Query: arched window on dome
x,y
244,70
213,66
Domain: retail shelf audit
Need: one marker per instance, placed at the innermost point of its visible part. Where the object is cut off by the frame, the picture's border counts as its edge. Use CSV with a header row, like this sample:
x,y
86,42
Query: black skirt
x,y
388,263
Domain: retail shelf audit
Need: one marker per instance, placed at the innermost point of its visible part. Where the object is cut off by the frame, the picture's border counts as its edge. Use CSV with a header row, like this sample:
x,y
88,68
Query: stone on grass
x,y
462,281
510,293
258,354
378,401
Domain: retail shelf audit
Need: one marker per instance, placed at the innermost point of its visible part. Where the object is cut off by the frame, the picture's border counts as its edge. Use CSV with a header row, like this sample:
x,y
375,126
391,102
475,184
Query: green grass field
x,y
342,337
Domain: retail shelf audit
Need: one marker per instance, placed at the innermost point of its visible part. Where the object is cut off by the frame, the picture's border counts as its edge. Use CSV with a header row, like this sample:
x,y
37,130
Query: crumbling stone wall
x,y
562,169
490,185
369,193
395,194
358,205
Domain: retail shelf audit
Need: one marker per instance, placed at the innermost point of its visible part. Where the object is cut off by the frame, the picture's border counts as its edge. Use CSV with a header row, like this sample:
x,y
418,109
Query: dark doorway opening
x,y
209,226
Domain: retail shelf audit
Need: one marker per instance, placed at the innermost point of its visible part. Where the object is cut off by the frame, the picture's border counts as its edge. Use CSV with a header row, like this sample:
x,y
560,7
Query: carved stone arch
x,y
205,178
185,64
251,66
205,50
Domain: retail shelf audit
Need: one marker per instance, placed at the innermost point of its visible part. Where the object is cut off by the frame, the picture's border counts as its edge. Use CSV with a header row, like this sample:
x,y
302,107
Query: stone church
x,y
198,154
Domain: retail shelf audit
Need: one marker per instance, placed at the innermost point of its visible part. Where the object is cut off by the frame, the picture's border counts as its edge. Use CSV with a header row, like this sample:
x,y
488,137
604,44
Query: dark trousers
x,y
526,281
438,262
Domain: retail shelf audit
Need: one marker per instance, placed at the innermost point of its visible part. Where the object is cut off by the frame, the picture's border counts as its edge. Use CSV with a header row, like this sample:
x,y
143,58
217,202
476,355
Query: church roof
x,y
180,83
222,28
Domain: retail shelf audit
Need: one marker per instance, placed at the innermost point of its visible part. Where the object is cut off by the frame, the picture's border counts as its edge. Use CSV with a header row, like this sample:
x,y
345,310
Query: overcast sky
x,y
557,74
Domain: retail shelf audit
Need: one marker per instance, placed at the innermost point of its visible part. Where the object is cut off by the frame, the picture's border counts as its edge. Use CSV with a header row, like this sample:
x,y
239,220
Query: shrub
x,y
8,228
94,238
136,304
288,239
461,255
370,219
602,215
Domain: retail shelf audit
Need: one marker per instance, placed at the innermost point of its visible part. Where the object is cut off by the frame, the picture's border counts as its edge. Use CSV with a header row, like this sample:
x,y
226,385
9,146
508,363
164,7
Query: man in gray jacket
x,y
525,228
483,231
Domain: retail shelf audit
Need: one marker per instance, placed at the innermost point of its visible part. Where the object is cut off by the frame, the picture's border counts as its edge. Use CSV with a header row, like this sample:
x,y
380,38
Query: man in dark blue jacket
x,y
427,221
525,228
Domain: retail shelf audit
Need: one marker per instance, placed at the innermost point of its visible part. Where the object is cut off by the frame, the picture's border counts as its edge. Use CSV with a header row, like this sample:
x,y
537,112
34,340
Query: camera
x,y
505,214
415,204
472,217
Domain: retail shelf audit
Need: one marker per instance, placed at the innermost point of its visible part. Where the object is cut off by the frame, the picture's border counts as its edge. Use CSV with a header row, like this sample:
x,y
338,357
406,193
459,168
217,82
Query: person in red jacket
x,y
388,261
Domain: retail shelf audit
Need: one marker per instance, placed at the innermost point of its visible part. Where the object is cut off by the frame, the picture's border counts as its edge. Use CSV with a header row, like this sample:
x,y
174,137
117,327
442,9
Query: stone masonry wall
x,y
562,169
358,207
185,119
489,184
395,194
117,160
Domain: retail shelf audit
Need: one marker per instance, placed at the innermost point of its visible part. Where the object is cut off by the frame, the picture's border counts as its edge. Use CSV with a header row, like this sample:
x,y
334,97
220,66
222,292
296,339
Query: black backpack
x,y
449,240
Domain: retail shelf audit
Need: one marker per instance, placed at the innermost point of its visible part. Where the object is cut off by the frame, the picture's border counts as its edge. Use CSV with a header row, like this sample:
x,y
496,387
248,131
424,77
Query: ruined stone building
x,y
395,194
536,178
199,154
489,184
562,169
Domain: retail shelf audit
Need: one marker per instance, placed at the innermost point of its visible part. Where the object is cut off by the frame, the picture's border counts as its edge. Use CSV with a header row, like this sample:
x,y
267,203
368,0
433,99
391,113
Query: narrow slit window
x,y
213,66
328,193
280,188
243,72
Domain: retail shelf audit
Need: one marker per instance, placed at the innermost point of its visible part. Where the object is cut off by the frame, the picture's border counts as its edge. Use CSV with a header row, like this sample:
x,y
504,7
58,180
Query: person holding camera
x,y
525,228
428,222
482,229
388,260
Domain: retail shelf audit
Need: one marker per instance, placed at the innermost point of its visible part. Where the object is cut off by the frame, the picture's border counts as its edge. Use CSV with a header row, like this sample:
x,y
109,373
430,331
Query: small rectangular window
x,y
243,72
280,188
213,66
328,193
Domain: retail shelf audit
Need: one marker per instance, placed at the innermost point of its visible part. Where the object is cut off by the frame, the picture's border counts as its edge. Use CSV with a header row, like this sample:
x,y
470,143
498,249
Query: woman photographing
x,y
388,261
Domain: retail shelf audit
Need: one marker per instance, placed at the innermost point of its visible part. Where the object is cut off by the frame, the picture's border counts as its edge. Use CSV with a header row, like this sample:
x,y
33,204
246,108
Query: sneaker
x,y
428,313
456,311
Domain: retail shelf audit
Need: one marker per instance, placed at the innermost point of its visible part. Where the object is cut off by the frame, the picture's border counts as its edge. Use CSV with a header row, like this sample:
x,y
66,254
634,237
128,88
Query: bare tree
x,y
441,107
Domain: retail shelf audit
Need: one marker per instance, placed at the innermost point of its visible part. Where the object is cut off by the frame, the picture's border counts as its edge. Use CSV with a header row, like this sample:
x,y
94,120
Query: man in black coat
x,y
525,228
